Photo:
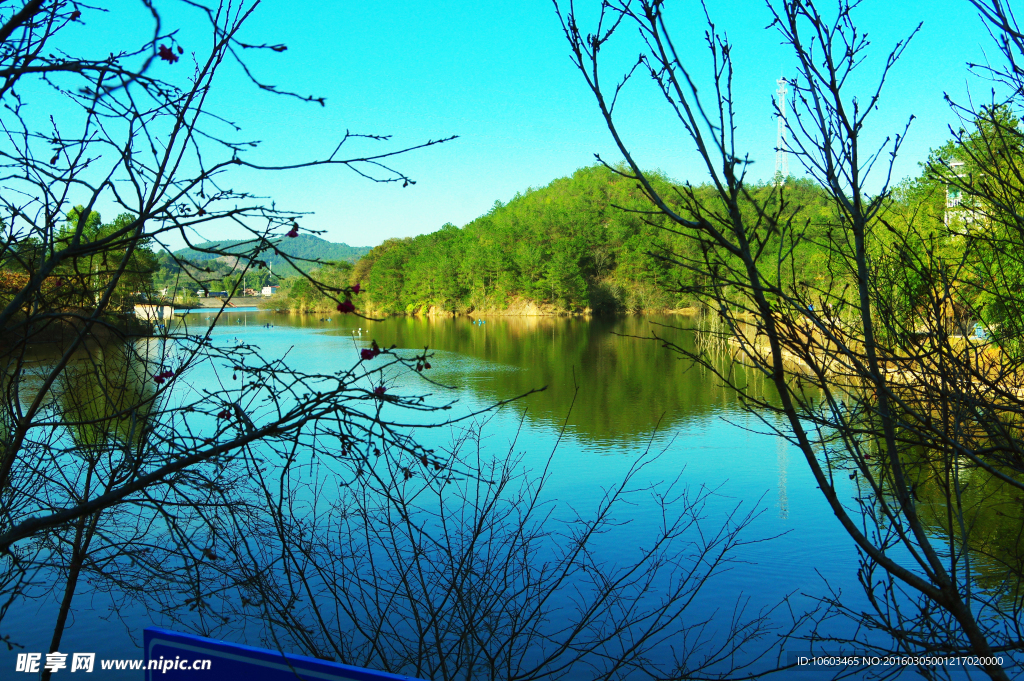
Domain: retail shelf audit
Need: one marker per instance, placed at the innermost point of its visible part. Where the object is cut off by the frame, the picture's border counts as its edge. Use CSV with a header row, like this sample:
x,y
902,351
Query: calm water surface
x,y
630,395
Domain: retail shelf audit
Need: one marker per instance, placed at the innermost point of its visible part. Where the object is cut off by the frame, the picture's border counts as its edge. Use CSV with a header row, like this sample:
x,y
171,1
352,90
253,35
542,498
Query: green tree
x,y
103,479
117,259
859,300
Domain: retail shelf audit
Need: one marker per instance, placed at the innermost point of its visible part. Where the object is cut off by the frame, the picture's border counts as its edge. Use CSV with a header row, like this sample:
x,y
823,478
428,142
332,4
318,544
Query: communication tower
x,y
781,150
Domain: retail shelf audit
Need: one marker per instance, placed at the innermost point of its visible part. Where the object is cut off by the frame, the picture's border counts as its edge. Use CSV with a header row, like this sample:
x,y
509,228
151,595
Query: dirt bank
x,y
237,301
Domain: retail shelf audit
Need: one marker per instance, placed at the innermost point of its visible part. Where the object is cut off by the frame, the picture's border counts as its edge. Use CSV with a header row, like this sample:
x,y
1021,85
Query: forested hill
x,y
304,246
570,245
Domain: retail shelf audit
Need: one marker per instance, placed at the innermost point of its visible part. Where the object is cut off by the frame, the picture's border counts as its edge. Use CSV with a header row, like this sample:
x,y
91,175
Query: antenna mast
x,y
781,150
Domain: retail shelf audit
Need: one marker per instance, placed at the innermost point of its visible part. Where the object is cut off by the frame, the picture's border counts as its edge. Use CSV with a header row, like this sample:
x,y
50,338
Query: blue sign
x,y
171,656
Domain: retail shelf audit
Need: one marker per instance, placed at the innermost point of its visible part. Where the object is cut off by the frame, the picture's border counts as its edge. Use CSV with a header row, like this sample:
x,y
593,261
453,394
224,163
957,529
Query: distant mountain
x,y
303,246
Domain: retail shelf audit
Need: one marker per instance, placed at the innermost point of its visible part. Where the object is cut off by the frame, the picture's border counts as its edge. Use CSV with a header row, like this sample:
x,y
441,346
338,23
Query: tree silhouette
x,y
878,383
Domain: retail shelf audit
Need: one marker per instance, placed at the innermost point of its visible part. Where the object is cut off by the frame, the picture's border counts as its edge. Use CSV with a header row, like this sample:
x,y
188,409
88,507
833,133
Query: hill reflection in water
x,y
627,386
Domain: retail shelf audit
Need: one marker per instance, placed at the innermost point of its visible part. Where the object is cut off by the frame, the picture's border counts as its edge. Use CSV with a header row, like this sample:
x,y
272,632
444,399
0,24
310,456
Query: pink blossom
x,y
346,307
355,289
379,391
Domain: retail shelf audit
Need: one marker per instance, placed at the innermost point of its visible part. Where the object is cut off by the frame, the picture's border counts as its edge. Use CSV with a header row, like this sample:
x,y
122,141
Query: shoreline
x,y
236,301
525,311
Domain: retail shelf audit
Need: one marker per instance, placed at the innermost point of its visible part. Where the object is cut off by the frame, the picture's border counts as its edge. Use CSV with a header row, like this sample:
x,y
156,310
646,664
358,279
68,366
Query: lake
x,y
615,395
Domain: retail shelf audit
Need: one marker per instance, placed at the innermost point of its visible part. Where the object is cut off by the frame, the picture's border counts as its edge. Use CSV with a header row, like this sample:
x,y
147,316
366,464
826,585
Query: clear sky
x,y
498,75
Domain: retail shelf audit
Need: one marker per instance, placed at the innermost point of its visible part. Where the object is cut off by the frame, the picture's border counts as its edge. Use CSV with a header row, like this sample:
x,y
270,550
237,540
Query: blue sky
x,y
498,75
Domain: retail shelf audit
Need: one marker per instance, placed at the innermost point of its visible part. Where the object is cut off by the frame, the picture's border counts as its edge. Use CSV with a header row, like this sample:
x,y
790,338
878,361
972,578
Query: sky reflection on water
x,y
631,396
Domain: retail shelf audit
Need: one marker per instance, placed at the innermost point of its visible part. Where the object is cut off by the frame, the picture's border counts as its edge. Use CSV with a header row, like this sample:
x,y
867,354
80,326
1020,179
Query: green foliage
x,y
190,269
924,251
123,255
993,155
303,247
593,241
179,278
589,241
300,295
